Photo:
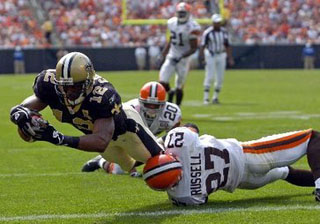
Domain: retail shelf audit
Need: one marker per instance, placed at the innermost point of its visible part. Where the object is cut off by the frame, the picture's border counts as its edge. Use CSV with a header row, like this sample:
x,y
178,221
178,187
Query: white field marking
x,y
193,103
15,150
129,96
40,174
158,213
297,115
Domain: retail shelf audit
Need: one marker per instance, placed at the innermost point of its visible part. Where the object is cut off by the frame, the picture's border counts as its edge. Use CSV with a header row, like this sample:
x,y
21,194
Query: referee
x,y
215,49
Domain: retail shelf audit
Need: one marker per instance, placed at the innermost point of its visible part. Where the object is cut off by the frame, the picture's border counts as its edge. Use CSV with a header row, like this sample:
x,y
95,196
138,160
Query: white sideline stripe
x,y
259,116
40,174
159,213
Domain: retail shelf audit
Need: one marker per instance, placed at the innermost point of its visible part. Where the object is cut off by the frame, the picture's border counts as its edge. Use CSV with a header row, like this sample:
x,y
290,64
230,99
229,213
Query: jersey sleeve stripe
x,y
278,144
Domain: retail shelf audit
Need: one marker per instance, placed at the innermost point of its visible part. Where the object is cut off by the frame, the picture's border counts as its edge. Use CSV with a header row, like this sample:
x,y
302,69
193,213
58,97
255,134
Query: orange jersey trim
x,y
278,144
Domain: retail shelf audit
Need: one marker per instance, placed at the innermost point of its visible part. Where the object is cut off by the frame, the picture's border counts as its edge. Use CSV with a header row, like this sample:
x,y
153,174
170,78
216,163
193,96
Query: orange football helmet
x,y
152,100
162,172
183,11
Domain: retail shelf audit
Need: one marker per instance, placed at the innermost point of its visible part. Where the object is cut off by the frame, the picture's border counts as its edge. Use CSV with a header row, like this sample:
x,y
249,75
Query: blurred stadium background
x,y
263,33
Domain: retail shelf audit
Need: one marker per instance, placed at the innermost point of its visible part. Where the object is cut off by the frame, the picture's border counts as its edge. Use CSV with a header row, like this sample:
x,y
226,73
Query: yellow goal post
x,y
141,22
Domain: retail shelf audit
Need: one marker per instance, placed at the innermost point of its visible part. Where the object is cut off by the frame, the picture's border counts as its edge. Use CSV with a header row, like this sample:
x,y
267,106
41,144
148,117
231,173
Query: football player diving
x,y
183,43
157,114
208,164
78,96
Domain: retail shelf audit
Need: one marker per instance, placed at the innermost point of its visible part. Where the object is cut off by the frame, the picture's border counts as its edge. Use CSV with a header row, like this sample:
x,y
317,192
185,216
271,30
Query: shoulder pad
x,y
172,21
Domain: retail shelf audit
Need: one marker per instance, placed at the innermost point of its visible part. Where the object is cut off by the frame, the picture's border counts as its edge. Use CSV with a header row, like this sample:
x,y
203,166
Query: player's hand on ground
x,y
135,174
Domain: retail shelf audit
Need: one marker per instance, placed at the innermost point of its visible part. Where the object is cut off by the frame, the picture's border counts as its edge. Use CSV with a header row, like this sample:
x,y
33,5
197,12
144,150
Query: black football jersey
x,y
102,102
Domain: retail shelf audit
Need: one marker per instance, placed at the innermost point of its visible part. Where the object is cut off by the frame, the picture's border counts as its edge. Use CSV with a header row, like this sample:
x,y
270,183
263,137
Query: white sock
x,y
206,95
317,183
216,95
101,162
285,172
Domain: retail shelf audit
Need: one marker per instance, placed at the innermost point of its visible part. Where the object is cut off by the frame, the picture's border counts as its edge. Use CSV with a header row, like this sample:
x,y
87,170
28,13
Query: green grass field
x,y
42,183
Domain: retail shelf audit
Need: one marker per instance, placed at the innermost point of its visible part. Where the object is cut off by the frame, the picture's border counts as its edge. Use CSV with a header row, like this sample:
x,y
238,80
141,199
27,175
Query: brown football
x,y
25,137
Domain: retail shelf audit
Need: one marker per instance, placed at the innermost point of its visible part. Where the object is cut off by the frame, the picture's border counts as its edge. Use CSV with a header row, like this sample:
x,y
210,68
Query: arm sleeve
x,y
43,87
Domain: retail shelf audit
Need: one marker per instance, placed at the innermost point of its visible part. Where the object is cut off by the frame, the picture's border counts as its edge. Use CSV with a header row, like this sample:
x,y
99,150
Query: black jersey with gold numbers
x,y
102,102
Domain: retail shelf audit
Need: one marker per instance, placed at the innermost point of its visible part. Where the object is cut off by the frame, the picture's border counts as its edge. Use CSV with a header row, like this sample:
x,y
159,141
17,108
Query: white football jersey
x,y
208,164
166,120
180,35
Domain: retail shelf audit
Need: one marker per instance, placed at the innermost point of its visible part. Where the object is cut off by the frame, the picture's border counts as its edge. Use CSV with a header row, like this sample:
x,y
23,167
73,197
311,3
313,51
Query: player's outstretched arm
x,y
99,140
34,103
41,130
95,142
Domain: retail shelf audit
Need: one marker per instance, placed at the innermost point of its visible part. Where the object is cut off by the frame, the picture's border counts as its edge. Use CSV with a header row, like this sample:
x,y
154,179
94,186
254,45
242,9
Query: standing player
x,y
215,40
183,43
76,95
210,164
157,114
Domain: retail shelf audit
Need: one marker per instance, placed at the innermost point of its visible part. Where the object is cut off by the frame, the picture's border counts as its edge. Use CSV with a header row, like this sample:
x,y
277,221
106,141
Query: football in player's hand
x,y
25,136
162,172
37,122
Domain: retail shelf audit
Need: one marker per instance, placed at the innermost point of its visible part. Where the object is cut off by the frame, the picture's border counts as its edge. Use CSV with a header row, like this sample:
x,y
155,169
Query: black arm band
x,y
70,141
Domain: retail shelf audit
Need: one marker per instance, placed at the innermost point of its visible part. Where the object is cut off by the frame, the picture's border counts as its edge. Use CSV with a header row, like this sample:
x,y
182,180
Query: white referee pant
x,y
215,68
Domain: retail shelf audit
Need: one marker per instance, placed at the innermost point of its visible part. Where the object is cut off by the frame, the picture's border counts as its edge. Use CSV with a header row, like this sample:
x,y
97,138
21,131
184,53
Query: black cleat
x,y
215,101
317,194
92,164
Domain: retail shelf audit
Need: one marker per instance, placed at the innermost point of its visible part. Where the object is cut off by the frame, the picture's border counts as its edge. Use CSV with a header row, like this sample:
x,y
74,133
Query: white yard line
x,y
40,174
296,115
158,213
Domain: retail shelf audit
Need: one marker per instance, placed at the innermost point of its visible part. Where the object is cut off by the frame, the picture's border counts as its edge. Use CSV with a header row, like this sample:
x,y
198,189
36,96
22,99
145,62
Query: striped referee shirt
x,y
215,40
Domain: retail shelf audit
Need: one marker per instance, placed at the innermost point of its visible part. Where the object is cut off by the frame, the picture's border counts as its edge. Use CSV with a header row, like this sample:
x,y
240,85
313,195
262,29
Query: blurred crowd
x,y
18,26
97,23
165,9
275,21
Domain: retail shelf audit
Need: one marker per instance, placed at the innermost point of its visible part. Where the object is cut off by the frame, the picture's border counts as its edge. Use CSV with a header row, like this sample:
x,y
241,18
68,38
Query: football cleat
x,y
206,102
317,194
215,101
162,172
92,164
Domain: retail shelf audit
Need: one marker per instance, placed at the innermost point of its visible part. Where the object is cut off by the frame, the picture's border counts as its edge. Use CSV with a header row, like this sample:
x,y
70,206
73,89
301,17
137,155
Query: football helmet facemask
x,y
152,100
74,78
183,12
